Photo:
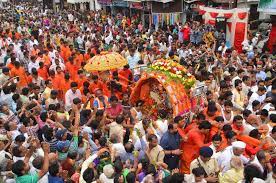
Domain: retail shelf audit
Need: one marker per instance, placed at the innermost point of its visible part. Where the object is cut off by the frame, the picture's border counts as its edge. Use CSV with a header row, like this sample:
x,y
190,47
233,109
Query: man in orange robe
x,y
211,113
42,71
35,50
96,83
65,84
237,125
65,52
72,69
126,73
79,59
55,80
47,58
87,55
20,73
194,140
11,64
81,78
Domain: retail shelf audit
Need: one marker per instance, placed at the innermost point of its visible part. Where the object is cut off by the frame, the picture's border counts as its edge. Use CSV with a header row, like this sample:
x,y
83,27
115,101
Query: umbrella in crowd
x,y
105,61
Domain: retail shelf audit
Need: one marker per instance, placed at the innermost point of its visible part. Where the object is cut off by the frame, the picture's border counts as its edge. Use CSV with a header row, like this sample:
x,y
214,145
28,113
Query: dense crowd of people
x,y
60,123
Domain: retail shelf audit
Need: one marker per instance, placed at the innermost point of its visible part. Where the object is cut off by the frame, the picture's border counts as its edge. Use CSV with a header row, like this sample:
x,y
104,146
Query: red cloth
x,y
213,14
228,15
229,24
250,150
239,36
212,22
202,12
242,15
272,38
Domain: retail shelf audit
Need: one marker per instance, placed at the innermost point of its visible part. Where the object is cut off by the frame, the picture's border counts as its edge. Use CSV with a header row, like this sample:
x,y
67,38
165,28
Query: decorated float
x,y
165,85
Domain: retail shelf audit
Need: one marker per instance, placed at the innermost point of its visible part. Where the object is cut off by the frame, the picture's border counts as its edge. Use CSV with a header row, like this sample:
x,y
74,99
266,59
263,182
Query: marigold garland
x,y
175,71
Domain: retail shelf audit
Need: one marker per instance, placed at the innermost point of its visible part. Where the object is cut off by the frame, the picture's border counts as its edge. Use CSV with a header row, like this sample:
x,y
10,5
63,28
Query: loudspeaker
x,y
221,24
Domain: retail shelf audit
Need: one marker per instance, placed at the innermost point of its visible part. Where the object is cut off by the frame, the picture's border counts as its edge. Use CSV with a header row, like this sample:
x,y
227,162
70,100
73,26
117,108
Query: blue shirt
x,y
260,75
170,141
132,61
52,179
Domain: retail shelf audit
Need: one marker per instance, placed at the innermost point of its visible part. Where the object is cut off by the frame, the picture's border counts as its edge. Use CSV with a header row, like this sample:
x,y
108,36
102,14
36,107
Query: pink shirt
x,y
114,111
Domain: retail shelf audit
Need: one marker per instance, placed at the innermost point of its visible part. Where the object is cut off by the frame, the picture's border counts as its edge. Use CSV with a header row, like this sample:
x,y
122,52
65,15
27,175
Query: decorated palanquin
x,y
165,85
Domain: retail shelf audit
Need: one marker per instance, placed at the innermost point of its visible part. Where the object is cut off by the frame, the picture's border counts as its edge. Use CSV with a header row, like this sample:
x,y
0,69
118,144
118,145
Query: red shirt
x,y
114,111
186,33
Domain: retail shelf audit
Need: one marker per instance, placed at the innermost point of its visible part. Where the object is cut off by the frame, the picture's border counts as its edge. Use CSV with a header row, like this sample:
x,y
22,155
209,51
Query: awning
x,y
135,1
77,1
190,1
223,1
163,1
160,1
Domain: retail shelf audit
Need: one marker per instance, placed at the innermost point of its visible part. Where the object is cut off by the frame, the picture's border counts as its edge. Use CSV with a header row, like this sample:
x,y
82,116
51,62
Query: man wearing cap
x,y
5,76
236,150
209,164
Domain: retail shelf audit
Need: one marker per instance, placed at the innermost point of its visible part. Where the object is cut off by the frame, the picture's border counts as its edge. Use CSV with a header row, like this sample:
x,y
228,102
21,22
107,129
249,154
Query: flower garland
x,y
175,71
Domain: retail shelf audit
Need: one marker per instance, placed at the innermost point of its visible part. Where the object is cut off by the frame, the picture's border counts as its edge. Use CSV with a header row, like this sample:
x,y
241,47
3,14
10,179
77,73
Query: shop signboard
x,y
119,3
136,5
104,2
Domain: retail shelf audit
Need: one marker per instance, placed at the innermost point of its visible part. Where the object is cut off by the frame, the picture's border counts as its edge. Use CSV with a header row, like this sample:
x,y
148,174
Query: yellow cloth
x,y
239,99
231,176
47,92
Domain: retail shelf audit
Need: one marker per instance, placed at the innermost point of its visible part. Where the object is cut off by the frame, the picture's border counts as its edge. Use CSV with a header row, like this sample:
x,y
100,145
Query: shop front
x,y
167,13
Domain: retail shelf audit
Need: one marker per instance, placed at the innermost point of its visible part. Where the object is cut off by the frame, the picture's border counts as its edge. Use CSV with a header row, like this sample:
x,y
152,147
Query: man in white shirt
x,y
33,64
246,85
140,130
239,99
240,75
56,64
86,169
259,96
161,125
236,149
70,17
222,48
108,38
33,42
71,94
132,59
259,84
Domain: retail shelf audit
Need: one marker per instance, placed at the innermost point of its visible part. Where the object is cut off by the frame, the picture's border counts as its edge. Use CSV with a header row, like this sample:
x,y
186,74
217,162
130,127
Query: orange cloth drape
x,y
195,140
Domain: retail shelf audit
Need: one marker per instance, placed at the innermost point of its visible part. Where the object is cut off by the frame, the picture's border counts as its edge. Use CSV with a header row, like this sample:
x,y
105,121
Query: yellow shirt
x,y
46,93
210,167
156,154
231,176
238,99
